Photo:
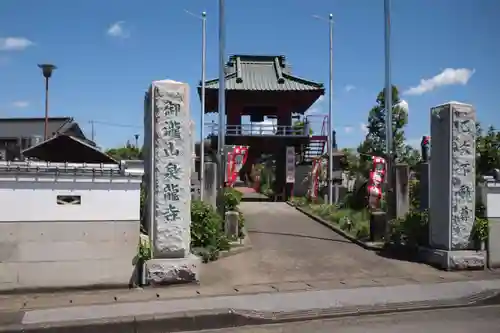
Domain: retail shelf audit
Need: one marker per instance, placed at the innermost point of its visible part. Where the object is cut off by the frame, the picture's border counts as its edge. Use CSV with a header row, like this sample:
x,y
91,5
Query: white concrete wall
x,y
67,254
44,244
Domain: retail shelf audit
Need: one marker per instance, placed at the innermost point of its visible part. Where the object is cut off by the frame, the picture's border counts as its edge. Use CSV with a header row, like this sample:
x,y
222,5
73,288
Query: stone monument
x,y
452,195
168,155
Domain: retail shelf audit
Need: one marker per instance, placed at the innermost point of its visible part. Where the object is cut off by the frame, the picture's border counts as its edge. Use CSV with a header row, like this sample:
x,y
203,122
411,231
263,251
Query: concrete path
x,y
290,247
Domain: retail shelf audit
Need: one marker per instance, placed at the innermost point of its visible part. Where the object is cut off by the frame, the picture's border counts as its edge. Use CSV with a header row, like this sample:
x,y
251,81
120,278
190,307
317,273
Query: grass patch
x,y
353,222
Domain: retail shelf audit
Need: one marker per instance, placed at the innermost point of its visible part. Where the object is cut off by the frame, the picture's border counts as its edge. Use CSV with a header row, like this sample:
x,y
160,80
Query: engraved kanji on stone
x,y
172,213
465,192
167,107
464,126
172,171
462,168
465,213
172,192
464,148
171,149
172,109
172,129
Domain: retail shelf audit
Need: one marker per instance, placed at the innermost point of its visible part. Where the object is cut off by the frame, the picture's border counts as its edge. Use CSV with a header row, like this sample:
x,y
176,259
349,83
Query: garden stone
x,y
452,209
168,150
424,170
402,189
378,226
231,224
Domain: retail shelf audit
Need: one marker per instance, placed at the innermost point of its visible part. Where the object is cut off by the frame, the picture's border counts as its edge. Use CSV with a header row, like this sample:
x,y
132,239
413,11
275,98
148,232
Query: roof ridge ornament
x,y
279,73
239,78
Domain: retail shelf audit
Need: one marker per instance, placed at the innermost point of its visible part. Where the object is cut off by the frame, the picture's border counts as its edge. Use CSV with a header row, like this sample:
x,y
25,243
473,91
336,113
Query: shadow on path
x,y
253,231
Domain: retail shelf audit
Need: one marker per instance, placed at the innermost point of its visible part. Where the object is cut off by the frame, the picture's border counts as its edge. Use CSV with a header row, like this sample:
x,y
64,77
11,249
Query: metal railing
x,y
260,130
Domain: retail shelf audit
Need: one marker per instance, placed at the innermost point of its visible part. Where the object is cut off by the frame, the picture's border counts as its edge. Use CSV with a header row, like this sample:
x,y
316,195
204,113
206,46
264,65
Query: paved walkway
x,y
264,304
288,246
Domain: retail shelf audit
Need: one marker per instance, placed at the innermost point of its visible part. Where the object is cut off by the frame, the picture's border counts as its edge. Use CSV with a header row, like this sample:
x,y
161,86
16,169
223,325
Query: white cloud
x,y
404,106
363,127
449,76
119,30
348,129
349,88
20,104
15,43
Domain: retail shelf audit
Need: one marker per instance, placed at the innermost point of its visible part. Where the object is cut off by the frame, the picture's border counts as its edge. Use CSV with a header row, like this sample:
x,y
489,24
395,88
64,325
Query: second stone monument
x,y
452,193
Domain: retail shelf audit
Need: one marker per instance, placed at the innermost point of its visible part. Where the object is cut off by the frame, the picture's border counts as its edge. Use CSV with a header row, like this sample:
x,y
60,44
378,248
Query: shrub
x,y
241,225
144,252
299,201
232,199
207,237
480,229
411,230
415,193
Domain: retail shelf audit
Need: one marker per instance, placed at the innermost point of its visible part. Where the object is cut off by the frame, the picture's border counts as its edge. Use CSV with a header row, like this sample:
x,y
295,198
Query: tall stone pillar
x,y
452,197
169,155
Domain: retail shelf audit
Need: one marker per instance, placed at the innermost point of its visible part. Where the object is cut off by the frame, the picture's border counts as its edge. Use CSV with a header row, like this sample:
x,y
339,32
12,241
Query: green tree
x,y
128,152
487,150
375,141
410,156
350,161
298,126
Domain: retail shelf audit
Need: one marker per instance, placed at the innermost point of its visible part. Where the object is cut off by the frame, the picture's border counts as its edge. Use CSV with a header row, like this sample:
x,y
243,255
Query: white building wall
x,y
44,244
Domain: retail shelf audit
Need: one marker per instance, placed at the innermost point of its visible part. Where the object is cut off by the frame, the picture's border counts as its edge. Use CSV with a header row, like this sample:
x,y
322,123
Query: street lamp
x,y
330,110
47,70
203,19
388,106
136,137
222,91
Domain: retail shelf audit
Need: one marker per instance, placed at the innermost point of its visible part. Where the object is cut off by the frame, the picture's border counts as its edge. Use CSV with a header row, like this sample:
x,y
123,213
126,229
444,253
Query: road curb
x,y
226,318
336,229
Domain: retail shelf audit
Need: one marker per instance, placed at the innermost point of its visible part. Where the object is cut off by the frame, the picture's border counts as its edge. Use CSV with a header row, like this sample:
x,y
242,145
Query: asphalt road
x,y
465,320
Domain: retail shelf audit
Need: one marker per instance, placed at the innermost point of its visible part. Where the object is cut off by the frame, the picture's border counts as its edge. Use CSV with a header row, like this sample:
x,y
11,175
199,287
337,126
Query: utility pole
x,y
92,135
222,92
330,109
203,19
202,120
330,118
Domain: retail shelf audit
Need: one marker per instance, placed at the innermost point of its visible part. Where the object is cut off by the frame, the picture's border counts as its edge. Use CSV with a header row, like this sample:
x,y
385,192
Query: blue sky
x,y
108,52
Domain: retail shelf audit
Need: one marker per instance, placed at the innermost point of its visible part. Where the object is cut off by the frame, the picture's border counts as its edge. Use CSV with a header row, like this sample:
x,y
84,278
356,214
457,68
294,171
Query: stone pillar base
x,y
176,270
454,260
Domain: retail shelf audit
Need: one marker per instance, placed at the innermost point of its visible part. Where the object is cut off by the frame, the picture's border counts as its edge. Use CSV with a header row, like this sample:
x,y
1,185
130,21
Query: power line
x,y
107,123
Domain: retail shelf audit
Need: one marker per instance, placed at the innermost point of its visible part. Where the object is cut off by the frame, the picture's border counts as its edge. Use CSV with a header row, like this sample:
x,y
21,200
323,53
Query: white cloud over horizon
x,y
448,77
20,104
349,88
348,129
118,30
15,43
